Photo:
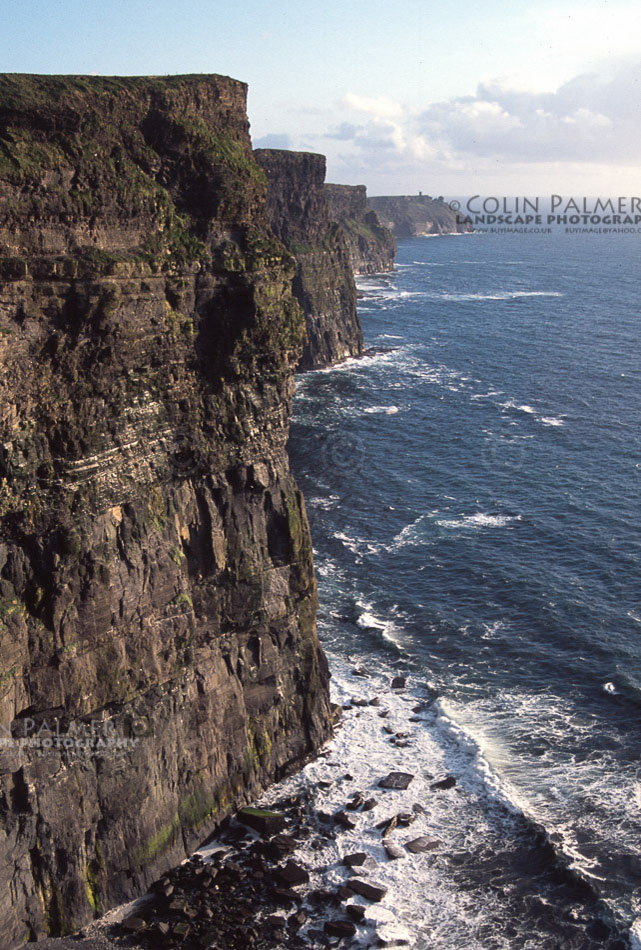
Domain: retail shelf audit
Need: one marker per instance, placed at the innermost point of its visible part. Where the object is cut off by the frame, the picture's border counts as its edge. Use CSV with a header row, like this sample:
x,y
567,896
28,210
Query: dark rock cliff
x,y
323,282
372,247
418,215
157,594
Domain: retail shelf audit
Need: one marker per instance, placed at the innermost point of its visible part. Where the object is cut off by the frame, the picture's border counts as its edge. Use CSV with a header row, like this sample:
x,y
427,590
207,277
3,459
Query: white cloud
x,y
588,119
591,119
586,131
382,107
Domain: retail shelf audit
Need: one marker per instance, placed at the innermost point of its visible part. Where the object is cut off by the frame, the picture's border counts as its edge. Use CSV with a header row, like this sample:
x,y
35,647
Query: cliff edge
x,y
372,247
418,215
159,663
323,281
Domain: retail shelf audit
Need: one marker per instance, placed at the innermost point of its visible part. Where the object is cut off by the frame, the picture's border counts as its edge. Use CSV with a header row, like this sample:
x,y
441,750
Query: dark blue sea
x,y
473,487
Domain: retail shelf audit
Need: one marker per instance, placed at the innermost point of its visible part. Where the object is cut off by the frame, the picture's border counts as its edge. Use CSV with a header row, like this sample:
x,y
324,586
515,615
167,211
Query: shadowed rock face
x,y
372,247
418,215
323,282
157,595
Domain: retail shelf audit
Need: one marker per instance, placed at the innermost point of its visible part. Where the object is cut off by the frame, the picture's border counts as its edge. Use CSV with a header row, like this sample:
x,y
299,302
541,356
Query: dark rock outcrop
x,y
418,215
323,282
157,595
372,247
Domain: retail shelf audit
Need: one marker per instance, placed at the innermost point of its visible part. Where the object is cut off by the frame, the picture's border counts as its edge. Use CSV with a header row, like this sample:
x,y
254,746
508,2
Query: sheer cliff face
x,y
418,215
323,282
372,247
156,579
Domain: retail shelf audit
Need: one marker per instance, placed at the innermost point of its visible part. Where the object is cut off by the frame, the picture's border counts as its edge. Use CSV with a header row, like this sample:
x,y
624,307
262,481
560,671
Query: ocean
x,y
473,491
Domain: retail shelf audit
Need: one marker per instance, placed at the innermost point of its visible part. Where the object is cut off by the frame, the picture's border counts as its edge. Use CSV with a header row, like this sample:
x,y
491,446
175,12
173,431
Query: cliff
x,y
372,247
323,281
159,663
418,215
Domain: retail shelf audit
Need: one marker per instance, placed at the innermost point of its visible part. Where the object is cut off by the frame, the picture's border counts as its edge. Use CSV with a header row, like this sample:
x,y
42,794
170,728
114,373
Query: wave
x,y
326,502
456,263
412,534
352,544
500,295
479,770
388,410
360,547
408,535
389,294
479,520
368,620
557,846
491,629
558,767
492,392
531,411
353,362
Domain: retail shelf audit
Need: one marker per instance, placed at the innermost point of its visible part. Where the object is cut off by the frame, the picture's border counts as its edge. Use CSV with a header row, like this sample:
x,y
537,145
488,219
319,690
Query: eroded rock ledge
x,y
156,574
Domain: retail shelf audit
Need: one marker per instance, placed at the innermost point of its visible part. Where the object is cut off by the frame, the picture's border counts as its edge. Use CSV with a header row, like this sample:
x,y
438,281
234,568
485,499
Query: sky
x,y
485,97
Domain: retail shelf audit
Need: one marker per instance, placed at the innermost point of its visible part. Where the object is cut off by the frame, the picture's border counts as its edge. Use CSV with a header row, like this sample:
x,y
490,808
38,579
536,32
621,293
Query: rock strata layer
x,y
323,282
372,247
159,663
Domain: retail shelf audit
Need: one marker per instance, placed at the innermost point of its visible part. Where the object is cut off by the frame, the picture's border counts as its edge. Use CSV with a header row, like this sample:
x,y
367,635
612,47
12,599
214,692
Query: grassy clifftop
x,y
158,166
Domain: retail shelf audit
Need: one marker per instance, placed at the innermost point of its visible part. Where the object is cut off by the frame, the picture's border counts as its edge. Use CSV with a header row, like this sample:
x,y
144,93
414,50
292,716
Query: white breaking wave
x,y
501,295
531,411
491,629
354,362
352,544
492,392
479,520
511,404
320,501
368,620
395,294
388,410
479,768
359,547
409,534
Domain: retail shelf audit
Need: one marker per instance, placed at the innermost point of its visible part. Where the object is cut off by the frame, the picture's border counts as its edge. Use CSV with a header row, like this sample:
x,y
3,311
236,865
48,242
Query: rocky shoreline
x,y
363,847
256,883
